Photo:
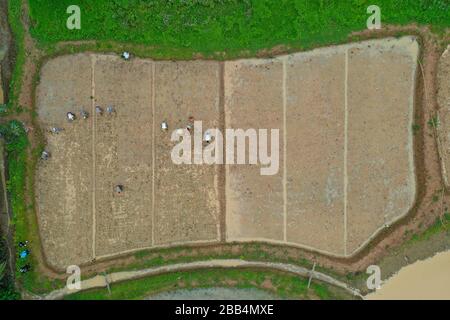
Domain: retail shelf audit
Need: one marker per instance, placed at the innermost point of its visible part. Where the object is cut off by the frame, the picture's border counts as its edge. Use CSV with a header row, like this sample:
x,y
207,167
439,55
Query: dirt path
x,y
101,281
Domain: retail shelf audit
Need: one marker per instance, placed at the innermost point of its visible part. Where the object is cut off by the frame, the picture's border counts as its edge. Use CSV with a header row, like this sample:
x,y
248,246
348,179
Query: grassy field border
x,y
283,285
216,29
14,19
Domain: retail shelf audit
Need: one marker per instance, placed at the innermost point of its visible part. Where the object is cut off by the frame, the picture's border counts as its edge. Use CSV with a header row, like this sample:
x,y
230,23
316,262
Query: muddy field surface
x,y
123,154
187,204
380,162
81,216
253,100
315,149
346,161
65,183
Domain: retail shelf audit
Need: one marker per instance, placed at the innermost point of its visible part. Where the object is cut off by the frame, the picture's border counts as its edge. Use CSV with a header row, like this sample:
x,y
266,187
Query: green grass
x,y
16,154
20,167
438,227
7,290
284,285
16,143
250,251
186,27
14,14
433,122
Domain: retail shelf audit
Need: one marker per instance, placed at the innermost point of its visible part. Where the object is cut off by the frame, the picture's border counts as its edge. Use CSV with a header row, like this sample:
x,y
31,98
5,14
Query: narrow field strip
x,y
101,281
285,198
345,149
93,117
157,246
153,154
222,175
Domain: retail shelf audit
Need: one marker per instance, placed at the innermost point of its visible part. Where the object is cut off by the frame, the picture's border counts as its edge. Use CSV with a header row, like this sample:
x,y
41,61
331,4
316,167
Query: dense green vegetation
x,y
7,291
441,224
283,285
15,146
14,13
231,26
17,143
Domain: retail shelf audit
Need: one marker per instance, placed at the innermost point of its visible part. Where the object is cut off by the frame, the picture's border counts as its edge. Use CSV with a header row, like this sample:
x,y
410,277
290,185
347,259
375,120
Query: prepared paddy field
x,y
346,158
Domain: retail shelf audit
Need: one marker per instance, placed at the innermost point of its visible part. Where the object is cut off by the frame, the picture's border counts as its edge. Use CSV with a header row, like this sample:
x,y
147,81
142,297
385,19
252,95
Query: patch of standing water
x,y
215,293
427,279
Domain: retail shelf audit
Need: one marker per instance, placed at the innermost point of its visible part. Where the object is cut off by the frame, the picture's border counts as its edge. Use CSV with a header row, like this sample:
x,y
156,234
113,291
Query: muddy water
x,y
217,293
427,279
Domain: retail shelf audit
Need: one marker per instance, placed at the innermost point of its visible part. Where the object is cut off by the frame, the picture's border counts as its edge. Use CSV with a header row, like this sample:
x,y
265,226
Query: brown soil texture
x,y
338,182
253,100
187,204
81,217
65,183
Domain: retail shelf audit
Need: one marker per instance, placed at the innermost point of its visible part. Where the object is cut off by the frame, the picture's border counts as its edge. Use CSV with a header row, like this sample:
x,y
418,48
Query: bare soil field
x,y
187,204
65,183
81,217
123,154
253,99
315,149
346,166
380,165
348,147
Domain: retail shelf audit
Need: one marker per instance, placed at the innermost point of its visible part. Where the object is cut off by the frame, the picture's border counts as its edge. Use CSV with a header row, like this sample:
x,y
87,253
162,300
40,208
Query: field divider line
x,y
221,169
93,116
153,153
345,148
284,153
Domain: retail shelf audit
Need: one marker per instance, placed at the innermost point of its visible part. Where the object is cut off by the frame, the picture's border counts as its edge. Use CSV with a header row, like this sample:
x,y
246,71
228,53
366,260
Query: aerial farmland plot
x,y
337,184
224,150
162,203
340,181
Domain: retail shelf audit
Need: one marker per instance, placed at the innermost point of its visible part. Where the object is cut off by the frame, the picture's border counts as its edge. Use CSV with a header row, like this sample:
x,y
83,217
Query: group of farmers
x,y
207,136
84,114
23,256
